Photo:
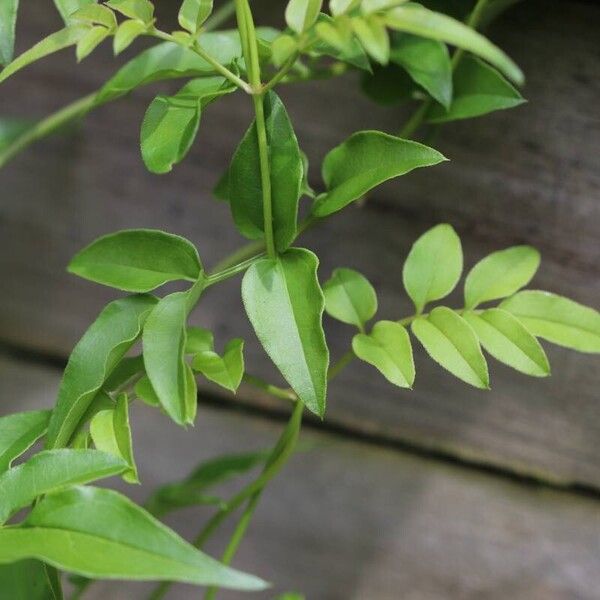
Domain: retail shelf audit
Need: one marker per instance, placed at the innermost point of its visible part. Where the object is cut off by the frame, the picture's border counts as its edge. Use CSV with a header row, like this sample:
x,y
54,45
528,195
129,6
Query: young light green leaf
x,y
53,43
388,349
67,7
126,34
557,319
282,48
145,392
199,339
94,357
193,13
335,39
52,470
192,490
99,533
433,266
227,370
134,9
478,89
418,20
164,342
427,62
191,394
500,274
350,298
285,161
451,342
111,433
285,304
90,41
365,160
95,14
302,14
137,260
18,432
507,340
339,7
8,21
171,122
25,580
372,34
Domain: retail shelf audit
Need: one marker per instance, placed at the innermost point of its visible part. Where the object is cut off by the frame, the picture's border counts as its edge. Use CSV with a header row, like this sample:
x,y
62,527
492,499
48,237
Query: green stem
x,y
219,16
226,273
273,390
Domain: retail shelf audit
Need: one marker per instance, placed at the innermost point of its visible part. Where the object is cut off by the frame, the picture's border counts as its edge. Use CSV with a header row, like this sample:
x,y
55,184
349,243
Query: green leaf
x,y
8,21
94,357
340,45
228,370
192,490
427,62
420,21
500,274
388,85
285,161
433,266
388,349
199,339
52,470
145,392
137,260
350,298
478,89
507,340
302,14
18,432
373,36
164,342
451,342
285,304
557,319
282,48
53,43
96,14
128,368
339,7
25,580
99,533
90,41
134,9
67,7
111,433
365,160
171,122
193,13
126,34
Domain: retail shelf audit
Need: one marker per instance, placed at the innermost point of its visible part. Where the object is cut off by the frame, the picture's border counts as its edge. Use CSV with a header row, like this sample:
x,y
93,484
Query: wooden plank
x,y
347,520
525,175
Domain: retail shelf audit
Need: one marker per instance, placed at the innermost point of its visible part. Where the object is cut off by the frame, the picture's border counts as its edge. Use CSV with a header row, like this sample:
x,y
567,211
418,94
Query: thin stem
x,y
232,271
283,71
273,390
219,16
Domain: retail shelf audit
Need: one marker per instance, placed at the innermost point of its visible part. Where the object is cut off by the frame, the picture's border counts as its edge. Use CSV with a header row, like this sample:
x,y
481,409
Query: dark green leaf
x,y
53,470
111,433
164,342
193,489
227,370
99,533
350,298
433,266
500,274
302,14
365,160
19,432
388,349
53,43
478,89
451,342
193,13
388,85
285,305
137,260
124,372
427,62
420,21
25,580
94,357
507,340
557,319
286,172
8,20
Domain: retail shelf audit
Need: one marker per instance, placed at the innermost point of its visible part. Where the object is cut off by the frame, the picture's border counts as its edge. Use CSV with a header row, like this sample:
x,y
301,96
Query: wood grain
x,y
527,175
350,521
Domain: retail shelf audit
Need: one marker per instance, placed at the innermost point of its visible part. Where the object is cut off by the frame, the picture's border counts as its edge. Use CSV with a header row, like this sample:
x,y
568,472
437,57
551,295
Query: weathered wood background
x,y
355,519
